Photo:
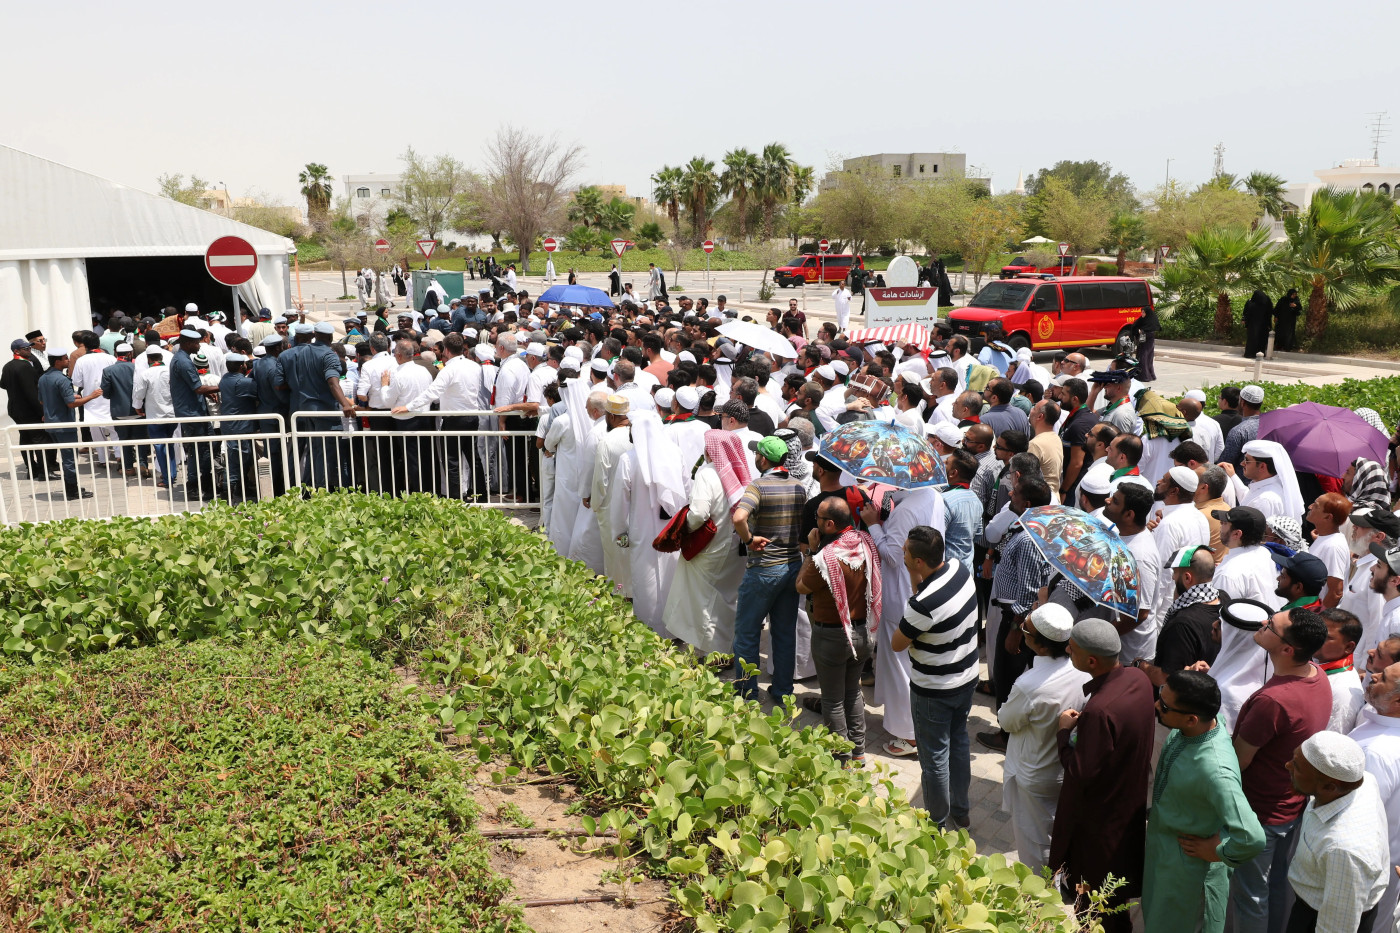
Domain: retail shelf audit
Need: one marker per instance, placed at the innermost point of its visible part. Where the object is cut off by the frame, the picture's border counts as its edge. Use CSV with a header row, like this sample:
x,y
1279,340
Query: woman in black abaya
x,y
1257,314
1286,321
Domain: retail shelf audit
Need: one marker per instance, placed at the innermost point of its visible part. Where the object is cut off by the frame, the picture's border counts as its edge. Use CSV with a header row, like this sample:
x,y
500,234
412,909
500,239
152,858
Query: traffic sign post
x,y
1163,251
381,245
619,246
822,246
550,244
426,247
709,247
231,261
1064,251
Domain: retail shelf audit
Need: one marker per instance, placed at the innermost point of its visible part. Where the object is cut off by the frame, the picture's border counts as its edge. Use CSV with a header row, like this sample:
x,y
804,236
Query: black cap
x,y
1244,518
1391,557
1382,520
813,456
1304,568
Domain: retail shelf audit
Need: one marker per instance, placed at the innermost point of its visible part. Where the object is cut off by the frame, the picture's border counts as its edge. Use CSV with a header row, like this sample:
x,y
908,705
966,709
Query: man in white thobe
x,y
586,541
1368,526
912,508
1273,486
842,298
549,271
1032,774
87,378
1205,430
1379,737
648,482
1178,524
1247,573
611,448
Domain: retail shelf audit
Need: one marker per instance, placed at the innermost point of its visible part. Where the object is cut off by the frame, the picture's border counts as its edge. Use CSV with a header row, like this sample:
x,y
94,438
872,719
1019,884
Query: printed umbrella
x,y
585,295
1088,553
884,453
1323,439
758,337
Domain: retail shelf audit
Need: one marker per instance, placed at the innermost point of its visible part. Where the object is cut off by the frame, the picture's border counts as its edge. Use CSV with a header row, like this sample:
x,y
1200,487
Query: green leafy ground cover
x,y
755,824
234,785
1382,394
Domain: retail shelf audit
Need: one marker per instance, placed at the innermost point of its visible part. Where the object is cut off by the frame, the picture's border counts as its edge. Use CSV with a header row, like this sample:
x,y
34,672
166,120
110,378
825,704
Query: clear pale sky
x,y
246,93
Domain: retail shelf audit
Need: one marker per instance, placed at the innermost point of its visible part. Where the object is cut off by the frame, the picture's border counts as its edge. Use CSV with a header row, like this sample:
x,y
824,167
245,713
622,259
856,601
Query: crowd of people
x,y
1234,747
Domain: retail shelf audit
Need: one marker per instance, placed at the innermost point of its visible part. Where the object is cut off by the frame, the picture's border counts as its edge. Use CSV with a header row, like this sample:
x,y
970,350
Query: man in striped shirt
x,y
939,629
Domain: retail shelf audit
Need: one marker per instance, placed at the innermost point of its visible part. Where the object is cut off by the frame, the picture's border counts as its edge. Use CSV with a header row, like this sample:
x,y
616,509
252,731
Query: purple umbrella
x,y
1323,439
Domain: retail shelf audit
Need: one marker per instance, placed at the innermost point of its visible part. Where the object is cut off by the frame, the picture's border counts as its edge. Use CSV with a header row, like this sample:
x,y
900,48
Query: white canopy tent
x,y
57,218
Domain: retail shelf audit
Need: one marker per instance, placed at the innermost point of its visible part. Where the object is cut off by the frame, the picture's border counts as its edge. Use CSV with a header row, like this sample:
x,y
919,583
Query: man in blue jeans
x,y
939,630
768,520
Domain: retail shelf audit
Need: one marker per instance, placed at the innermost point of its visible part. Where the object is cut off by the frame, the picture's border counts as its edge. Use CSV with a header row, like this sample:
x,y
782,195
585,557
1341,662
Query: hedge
x,y
1381,393
756,824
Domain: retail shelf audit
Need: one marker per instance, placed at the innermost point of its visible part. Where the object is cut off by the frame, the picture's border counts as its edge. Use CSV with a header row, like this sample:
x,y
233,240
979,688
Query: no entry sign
x,y
426,247
381,245
550,244
619,247
823,244
230,260
708,246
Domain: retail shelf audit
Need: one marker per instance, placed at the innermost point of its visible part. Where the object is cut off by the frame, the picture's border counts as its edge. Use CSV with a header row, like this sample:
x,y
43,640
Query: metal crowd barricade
x,y
200,465
456,454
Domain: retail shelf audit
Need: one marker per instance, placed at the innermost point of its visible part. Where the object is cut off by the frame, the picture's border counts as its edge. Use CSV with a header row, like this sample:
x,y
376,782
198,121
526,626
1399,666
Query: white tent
x,y
56,218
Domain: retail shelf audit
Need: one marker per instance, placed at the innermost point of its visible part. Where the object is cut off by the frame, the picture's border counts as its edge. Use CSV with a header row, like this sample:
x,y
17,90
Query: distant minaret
x,y
1219,160
1020,184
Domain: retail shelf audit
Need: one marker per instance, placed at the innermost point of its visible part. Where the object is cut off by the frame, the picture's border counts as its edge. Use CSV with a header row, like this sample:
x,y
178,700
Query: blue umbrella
x,y
1086,552
884,453
585,295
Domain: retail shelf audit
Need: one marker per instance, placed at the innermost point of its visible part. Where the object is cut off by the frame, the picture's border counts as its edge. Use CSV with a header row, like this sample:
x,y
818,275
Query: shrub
x,y
1381,394
757,824
644,244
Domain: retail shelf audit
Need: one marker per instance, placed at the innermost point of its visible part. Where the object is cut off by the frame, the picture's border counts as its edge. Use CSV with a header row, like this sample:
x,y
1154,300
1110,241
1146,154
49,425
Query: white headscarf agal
x,y
658,460
1283,466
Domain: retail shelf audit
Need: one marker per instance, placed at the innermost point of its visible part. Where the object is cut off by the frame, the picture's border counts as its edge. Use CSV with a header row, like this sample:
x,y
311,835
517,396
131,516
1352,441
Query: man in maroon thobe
x,y
1101,820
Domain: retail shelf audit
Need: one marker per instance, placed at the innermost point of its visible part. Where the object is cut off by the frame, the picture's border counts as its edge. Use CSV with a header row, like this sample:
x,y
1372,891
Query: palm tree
x,y
616,216
587,205
1267,189
1126,231
1218,263
1344,247
774,182
699,191
666,188
316,188
801,182
738,180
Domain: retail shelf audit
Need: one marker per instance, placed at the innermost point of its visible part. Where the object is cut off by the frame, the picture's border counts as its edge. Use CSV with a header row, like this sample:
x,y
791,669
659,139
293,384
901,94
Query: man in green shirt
x,y
1201,826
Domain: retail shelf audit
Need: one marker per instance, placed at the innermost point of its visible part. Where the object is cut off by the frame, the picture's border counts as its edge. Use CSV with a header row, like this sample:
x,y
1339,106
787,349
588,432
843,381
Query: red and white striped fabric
x,y
897,334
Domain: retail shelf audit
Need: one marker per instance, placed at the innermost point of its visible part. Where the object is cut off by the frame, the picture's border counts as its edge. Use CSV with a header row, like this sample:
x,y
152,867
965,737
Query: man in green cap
x,y
768,520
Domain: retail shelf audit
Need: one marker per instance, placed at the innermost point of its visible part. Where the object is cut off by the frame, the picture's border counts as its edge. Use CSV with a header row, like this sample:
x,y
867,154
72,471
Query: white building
x,y
373,195
1350,175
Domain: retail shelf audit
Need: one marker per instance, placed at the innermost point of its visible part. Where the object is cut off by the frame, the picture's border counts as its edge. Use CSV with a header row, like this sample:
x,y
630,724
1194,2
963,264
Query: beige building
x,y
908,166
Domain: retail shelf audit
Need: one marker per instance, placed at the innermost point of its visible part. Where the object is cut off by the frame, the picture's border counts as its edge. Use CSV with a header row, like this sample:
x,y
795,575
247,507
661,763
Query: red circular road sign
x,y
382,245
231,260
823,244
708,246
550,244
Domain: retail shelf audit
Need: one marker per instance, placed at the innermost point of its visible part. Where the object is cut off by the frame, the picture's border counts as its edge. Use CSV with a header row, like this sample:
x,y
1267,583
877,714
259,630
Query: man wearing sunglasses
x,y
1201,826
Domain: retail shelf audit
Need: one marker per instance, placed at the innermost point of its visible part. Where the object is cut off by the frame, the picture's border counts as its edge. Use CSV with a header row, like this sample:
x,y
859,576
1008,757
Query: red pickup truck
x,y
1069,265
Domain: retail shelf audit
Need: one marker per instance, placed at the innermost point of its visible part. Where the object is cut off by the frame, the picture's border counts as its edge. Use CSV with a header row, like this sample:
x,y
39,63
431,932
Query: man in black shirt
x,y
20,380
1074,397
828,477
1187,633
1229,409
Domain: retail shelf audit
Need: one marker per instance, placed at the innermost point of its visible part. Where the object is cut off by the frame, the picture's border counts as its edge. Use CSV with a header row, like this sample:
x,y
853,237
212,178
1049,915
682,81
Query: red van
x,y
1068,265
1045,312
808,268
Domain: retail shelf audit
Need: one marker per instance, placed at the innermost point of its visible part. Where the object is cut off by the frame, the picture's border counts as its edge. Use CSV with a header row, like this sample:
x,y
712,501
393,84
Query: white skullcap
x,y
259,350
1252,394
664,398
1337,756
688,398
948,434
1185,477
568,363
1061,379
470,332
1195,395
536,349
1098,480
1053,621
826,372
600,366
484,352
1023,355
123,348
573,353
191,308
1265,450
840,367
685,356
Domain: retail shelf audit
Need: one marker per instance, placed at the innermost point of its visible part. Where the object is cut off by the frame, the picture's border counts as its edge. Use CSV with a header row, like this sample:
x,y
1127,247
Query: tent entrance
x,y
142,286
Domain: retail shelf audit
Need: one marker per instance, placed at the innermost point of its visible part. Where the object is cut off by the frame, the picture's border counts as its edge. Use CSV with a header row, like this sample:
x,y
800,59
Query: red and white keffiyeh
x,y
725,451
856,550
